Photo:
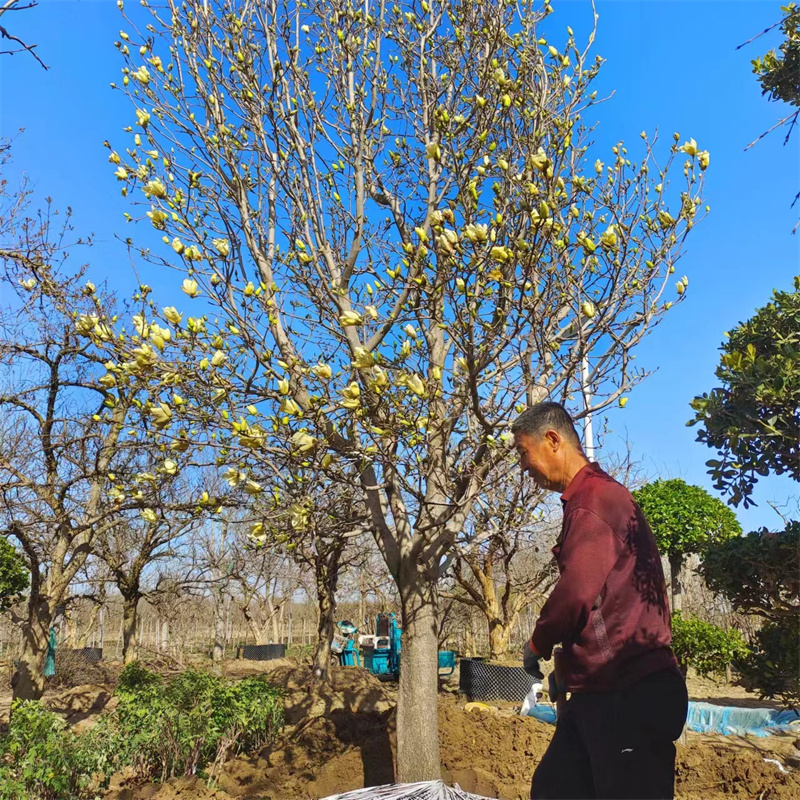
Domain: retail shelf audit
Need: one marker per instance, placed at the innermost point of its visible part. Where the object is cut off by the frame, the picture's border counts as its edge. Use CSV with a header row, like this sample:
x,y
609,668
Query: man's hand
x,y
530,661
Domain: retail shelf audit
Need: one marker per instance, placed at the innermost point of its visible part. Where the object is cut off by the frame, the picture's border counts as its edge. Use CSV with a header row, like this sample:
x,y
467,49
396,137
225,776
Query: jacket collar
x,y
590,470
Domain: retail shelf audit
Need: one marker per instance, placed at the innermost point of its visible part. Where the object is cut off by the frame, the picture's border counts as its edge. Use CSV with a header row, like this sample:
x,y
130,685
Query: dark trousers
x,y
616,744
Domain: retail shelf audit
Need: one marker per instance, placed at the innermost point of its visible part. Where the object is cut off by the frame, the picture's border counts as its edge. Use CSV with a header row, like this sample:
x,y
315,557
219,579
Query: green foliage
x,y
185,725
771,667
758,573
779,73
42,759
191,722
705,647
684,518
753,418
13,575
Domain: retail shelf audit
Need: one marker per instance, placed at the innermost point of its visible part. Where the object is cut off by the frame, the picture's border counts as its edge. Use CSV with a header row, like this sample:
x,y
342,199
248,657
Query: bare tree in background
x,y
8,39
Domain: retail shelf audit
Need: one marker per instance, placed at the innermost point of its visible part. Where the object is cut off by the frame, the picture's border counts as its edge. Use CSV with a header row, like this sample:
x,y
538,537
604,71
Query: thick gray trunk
x,y
28,681
417,707
130,647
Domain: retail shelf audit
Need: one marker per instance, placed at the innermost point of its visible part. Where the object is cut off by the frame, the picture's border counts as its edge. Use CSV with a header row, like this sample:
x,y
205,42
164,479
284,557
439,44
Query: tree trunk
x,y
322,650
130,605
417,704
218,652
675,564
28,681
326,574
499,636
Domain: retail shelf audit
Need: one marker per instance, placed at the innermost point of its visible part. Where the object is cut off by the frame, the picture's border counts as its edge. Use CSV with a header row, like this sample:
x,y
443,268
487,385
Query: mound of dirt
x,y
343,737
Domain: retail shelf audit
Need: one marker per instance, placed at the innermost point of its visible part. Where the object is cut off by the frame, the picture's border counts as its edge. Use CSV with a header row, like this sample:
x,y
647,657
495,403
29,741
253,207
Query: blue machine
x,y
381,652
344,645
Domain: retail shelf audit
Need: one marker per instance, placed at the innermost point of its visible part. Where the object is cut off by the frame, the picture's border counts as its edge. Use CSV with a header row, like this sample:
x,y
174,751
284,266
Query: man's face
x,y
538,456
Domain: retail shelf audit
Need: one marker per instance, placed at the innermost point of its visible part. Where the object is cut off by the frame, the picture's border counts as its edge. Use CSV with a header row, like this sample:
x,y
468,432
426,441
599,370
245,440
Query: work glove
x,y
530,662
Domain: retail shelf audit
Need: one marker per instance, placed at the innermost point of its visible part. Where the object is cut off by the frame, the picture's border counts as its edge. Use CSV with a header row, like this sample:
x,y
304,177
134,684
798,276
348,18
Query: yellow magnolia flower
x,y
108,381
148,515
288,406
363,359
680,286
539,160
234,477
122,174
142,117
142,328
588,308
177,245
322,371
609,238
155,188
218,359
666,219
298,516
623,401
703,158
158,218
29,284
161,414
283,386
303,442
350,318
171,314
190,287
222,246
192,253
476,233
85,323
352,396
501,254
169,467
142,75
433,151
413,383
380,380
598,166
252,487
372,312
690,148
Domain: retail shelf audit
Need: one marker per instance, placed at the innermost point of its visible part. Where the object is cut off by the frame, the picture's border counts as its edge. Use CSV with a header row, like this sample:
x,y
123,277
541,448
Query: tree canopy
x,y
753,418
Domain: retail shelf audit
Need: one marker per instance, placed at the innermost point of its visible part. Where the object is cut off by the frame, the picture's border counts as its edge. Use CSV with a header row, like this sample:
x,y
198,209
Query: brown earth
x,y
343,738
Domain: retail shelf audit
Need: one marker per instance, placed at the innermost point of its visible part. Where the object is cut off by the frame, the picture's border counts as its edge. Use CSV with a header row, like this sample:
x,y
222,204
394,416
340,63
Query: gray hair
x,y
538,419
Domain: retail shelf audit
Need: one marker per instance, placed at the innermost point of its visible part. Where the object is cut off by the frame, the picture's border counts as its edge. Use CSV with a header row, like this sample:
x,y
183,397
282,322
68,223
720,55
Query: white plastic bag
x,y
531,699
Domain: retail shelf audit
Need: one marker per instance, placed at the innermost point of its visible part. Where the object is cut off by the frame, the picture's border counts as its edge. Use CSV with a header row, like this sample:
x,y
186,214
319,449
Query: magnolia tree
x,y
65,418
62,432
394,213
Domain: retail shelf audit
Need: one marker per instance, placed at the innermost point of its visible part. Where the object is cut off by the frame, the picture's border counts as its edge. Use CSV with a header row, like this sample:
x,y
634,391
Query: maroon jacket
x,y
609,608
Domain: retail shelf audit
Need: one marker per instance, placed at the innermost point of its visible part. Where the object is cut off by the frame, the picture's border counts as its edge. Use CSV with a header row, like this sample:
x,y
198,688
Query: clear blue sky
x,y
673,66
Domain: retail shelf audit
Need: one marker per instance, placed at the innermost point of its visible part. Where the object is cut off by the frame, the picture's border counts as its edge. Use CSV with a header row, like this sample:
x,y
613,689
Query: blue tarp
x,y
708,718
731,721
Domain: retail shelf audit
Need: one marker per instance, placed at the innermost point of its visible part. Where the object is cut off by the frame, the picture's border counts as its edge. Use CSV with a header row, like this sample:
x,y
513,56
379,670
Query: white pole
x,y
586,389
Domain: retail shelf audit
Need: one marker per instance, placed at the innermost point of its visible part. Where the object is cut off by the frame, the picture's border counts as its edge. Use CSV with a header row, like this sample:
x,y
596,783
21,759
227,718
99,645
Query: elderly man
x,y
627,699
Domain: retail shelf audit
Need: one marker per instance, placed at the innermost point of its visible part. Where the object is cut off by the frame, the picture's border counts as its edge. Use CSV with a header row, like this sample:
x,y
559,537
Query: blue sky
x,y
672,66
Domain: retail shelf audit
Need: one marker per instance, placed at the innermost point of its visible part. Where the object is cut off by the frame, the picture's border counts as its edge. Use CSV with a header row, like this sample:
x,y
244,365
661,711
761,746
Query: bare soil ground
x,y
343,738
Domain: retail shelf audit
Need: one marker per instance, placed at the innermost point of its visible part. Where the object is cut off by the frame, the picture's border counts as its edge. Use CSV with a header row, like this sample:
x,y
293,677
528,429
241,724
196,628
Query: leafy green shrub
x,y
42,759
189,723
771,666
14,578
706,647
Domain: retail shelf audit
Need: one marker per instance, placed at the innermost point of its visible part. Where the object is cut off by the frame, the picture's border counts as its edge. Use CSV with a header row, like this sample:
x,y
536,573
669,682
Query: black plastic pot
x,y
263,652
481,681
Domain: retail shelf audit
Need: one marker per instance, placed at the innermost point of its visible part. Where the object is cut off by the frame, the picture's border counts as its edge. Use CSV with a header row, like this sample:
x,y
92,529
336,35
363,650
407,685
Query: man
x,y
628,702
